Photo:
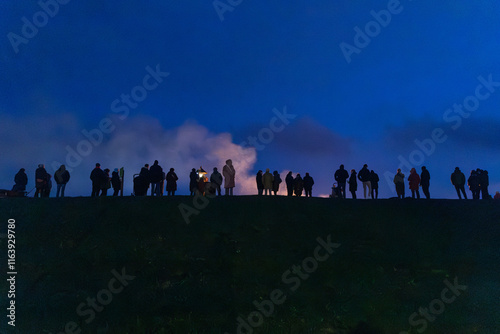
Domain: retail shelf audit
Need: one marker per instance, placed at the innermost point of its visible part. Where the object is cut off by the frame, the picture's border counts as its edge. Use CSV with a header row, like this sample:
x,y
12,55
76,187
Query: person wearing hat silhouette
x,y
458,180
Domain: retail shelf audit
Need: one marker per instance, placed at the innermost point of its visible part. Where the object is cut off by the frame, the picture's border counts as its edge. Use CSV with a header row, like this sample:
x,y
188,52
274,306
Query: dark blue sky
x,y
226,77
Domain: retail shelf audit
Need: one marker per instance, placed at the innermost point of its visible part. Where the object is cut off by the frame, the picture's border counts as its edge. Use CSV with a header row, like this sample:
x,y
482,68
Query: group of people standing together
x,y
153,177
415,181
478,183
368,178
43,181
201,184
268,183
101,181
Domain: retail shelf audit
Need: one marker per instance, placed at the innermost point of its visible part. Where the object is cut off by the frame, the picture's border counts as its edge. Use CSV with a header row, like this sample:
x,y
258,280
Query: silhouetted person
x,y
308,184
48,186
414,182
141,185
289,183
399,182
267,181
193,181
473,183
106,184
484,182
497,195
98,177
171,182
341,176
425,177
202,183
353,184
41,176
364,176
20,181
458,180
61,177
298,185
260,184
276,182
374,183
216,180
116,183
229,177
156,176
146,175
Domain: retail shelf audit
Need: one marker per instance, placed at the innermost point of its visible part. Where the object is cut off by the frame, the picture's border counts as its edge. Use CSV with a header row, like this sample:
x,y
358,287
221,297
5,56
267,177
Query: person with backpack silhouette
x,y
289,183
62,177
276,182
458,180
374,179
425,177
341,177
353,184
308,184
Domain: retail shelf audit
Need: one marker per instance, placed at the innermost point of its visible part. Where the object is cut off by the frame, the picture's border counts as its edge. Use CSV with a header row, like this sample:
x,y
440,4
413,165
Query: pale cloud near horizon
x,y
132,143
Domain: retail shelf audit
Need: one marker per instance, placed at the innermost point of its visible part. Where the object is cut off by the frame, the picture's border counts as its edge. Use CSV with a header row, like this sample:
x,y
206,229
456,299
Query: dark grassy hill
x,y
203,277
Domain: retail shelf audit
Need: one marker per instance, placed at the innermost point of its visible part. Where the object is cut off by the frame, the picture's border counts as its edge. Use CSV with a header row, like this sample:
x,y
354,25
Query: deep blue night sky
x,y
227,76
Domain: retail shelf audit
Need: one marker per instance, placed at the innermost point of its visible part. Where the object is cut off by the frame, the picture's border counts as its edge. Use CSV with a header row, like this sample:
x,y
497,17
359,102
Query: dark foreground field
x,y
249,264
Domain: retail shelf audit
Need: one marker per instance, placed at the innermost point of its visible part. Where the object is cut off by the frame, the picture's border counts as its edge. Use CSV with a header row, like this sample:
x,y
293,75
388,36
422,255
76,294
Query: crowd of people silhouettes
x,y
266,183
